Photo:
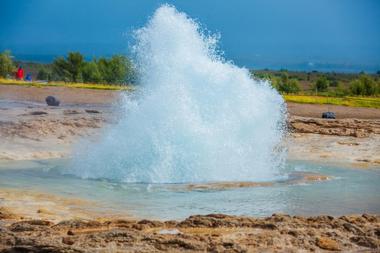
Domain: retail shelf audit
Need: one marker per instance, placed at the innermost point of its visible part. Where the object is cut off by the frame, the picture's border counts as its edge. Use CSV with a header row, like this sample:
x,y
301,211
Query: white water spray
x,y
196,119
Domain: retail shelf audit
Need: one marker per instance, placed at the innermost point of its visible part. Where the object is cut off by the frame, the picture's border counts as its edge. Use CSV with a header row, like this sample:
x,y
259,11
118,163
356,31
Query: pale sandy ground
x,y
30,130
340,150
51,134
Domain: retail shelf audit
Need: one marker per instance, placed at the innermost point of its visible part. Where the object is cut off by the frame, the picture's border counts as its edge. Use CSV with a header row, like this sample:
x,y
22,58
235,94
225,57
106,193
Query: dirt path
x,y
64,94
88,96
342,112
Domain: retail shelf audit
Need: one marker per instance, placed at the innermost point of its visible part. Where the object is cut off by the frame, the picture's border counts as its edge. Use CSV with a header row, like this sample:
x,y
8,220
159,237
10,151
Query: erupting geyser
x,y
196,117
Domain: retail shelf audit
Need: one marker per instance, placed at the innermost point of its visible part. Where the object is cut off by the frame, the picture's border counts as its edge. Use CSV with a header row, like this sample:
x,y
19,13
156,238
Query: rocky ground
x,y
29,130
33,131
209,233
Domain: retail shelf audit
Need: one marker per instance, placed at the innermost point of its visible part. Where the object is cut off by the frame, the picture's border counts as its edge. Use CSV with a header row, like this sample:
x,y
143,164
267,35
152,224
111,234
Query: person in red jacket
x,y
20,73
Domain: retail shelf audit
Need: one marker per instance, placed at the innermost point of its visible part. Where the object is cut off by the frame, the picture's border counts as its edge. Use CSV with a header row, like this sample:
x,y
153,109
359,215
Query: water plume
x,y
195,117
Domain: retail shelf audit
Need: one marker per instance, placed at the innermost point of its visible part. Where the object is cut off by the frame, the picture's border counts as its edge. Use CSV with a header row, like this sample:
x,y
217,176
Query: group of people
x,y
20,74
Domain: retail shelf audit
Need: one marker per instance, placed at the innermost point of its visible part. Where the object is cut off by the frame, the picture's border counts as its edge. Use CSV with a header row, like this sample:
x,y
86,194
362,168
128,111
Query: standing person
x,y
20,73
28,77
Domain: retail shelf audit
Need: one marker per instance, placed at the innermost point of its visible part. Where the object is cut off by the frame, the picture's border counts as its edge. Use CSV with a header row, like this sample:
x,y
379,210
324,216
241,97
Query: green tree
x,y
43,74
340,90
369,85
91,73
364,85
118,70
286,85
322,83
356,87
75,62
6,64
61,70
70,69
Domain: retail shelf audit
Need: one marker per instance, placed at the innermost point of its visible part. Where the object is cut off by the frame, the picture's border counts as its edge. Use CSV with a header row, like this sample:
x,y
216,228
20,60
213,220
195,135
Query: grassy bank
x,y
370,102
63,84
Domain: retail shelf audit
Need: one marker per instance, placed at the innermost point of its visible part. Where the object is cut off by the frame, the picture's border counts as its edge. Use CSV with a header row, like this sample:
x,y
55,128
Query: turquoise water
x,y
349,191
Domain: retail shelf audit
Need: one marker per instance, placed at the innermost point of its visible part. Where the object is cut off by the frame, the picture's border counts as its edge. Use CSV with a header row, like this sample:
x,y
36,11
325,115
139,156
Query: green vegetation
x,y
286,85
6,64
116,70
371,102
322,84
348,89
43,74
95,86
365,86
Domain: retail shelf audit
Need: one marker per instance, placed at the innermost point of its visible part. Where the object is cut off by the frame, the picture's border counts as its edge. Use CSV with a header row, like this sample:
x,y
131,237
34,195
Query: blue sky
x,y
255,33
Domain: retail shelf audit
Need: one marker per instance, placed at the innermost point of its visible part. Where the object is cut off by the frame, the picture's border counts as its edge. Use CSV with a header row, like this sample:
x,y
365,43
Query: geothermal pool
x,y
194,118
348,191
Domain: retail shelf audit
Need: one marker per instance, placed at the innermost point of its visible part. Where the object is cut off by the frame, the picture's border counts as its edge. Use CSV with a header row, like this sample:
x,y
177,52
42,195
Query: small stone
x,y
68,240
38,113
52,101
327,244
169,232
328,115
92,111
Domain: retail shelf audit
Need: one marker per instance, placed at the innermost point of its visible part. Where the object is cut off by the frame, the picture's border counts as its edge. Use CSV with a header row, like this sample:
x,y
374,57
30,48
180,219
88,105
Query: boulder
x,y
328,115
52,101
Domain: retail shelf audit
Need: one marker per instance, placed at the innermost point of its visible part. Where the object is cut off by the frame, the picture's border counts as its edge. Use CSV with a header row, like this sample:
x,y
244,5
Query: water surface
x,y
349,191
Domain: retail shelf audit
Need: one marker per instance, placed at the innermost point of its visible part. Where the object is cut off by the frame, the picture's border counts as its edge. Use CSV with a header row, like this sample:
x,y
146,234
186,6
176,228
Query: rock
x,y
92,111
338,127
169,232
365,241
52,101
150,224
327,244
68,240
198,233
38,113
5,214
70,112
328,115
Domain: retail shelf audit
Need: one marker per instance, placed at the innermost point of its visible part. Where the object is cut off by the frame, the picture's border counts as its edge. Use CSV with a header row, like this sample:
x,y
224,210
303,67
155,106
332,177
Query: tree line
x,y
362,85
117,69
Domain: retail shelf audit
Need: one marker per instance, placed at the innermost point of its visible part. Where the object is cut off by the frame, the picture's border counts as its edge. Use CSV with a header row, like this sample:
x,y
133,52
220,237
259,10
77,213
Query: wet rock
x,y
52,101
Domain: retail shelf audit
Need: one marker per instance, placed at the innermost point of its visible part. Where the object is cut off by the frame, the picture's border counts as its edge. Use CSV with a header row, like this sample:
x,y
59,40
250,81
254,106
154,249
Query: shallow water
x,y
349,191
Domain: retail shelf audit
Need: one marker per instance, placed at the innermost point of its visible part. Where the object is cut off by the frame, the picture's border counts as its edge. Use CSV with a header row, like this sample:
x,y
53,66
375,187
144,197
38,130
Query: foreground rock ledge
x,y
200,233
